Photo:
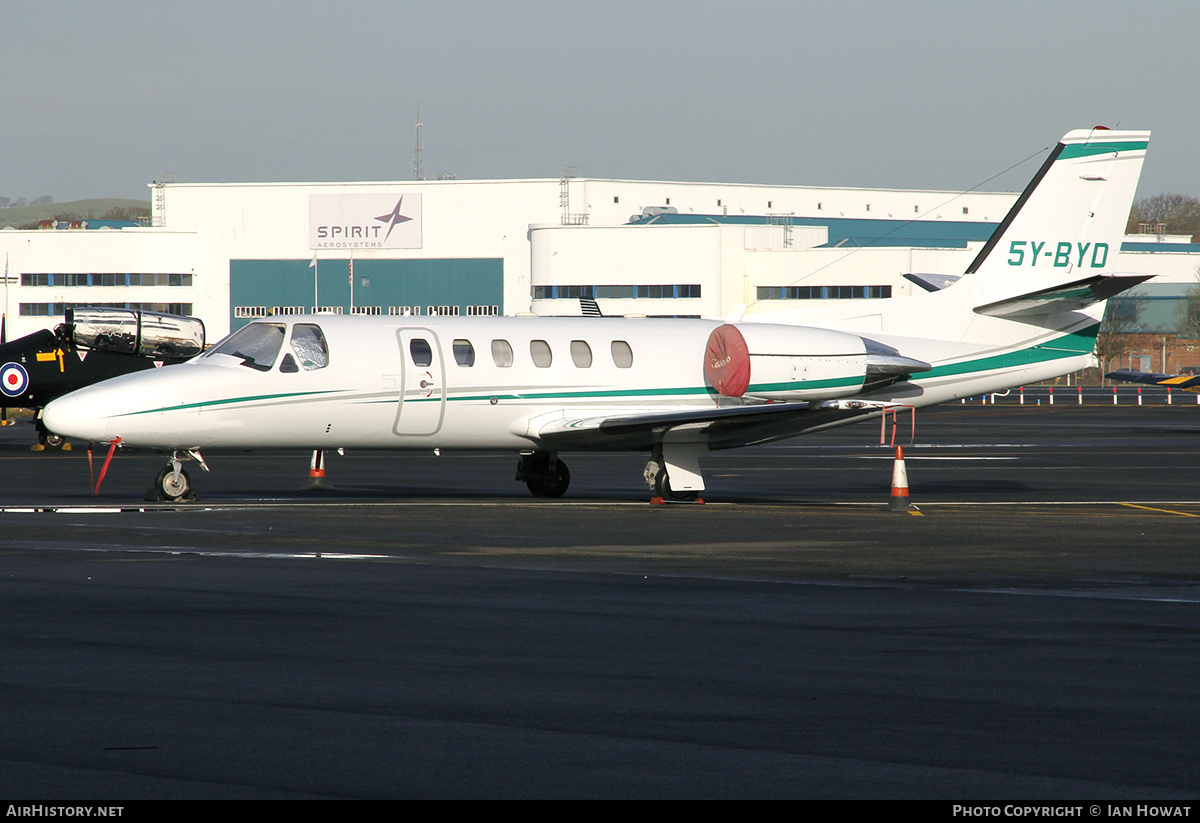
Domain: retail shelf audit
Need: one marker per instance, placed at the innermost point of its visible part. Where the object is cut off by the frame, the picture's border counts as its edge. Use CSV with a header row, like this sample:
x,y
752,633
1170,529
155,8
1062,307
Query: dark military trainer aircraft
x,y
93,344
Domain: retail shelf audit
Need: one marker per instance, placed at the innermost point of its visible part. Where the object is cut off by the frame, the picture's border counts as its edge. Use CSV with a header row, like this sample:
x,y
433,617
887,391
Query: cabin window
x,y
622,355
422,354
255,344
502,354
464,353
581,353
308,342
539,350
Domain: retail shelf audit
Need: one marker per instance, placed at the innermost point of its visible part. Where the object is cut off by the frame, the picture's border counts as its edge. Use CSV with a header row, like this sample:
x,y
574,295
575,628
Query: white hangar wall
x,y
158,263
495,242
712,268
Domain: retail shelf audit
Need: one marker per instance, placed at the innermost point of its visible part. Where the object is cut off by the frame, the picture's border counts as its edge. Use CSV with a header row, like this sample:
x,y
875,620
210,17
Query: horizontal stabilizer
x,y
1067,297
933,282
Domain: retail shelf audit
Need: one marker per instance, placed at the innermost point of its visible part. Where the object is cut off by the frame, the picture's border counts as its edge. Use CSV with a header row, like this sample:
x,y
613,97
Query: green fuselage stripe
x,y
1070,345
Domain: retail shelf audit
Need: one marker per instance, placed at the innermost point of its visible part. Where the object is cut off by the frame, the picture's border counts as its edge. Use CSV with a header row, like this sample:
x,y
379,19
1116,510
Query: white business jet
x,y
1027,309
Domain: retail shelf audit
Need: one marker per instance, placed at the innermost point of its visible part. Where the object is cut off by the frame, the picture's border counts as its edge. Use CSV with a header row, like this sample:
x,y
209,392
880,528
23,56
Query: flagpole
x,y
352,281
316,282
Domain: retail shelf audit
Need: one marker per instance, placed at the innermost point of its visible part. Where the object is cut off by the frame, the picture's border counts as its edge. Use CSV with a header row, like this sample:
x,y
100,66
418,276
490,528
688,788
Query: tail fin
x,y
1068,224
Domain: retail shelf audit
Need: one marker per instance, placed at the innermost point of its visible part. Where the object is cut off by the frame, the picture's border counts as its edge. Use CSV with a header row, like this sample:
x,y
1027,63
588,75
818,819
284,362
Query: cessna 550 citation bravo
x,y
1027,309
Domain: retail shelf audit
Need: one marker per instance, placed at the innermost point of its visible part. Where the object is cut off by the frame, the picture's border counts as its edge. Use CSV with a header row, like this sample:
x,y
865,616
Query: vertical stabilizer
x,y
1069,222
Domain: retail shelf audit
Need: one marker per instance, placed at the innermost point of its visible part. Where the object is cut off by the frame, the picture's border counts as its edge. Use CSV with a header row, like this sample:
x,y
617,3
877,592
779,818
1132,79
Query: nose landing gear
x,y
173,484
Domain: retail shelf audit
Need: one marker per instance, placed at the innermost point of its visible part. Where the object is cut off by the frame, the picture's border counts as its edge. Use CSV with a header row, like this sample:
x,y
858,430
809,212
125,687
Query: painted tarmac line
x,y
1149,505
1164,511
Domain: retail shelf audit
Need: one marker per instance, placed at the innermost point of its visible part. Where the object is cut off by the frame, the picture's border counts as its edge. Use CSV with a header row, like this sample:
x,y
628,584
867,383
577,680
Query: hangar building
x,y
231,252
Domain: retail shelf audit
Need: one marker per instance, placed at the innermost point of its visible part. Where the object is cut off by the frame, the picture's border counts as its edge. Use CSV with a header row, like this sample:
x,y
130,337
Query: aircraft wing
x,y
719,428
1187,382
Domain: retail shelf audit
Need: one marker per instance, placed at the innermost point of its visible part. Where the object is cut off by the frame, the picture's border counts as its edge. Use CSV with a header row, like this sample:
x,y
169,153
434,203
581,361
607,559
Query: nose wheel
x,y
173,484
169,487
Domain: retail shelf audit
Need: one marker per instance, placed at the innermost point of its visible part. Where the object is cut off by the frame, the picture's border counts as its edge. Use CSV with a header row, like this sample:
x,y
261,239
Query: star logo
x,y
394,219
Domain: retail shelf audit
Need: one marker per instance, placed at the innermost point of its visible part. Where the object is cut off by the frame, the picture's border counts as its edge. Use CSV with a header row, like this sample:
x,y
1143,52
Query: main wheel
x,y
167,488
551,483
662,487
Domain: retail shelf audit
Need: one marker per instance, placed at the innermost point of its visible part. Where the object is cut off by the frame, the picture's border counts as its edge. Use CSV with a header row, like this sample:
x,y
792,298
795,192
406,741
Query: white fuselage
x,y
490,383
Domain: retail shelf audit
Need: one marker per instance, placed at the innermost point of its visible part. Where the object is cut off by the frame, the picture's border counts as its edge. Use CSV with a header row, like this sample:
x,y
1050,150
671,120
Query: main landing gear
x,y
173,484
683,458
544,474
658,480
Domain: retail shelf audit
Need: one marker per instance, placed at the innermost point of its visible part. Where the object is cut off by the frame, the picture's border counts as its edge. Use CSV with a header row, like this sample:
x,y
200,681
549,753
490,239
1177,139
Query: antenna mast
x,y
418,150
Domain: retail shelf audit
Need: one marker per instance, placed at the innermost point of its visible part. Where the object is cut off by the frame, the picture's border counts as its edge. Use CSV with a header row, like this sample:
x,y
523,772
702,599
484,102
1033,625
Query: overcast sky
x,y
100,97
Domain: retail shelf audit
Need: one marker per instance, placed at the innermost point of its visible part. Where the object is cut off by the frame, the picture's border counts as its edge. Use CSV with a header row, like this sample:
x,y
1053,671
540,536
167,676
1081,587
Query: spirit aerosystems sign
x,y
364,221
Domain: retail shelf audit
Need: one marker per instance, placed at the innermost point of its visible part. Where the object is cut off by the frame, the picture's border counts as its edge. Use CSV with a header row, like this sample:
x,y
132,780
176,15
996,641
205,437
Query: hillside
x,y
79,210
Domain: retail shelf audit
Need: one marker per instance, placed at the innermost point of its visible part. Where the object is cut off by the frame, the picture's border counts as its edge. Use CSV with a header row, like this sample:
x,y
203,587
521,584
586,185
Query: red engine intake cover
x,y
727,361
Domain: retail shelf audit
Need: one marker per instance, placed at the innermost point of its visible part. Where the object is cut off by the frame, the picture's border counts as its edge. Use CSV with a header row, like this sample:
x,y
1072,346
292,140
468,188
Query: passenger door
x,y
422,403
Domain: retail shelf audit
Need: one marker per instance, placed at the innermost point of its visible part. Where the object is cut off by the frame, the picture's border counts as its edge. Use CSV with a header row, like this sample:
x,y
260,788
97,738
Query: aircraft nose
x,y
83,414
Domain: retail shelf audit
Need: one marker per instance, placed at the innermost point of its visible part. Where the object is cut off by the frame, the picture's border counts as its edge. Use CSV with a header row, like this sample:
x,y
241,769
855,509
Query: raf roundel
x,y
13,379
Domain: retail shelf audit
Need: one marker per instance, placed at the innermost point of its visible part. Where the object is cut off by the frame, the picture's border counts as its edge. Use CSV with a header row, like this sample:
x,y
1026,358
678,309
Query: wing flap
x,y
725,427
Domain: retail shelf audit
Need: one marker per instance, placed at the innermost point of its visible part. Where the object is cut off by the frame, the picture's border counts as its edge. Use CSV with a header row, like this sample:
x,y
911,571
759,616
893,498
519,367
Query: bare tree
x,y
1179,213
1187,316
1121,316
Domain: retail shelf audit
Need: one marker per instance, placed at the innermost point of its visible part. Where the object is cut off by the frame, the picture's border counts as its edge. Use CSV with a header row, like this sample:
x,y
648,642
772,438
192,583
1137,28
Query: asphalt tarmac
x,y
428,629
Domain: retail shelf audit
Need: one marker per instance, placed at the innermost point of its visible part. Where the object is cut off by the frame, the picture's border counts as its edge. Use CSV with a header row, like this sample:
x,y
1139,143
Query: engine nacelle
x,y
775,362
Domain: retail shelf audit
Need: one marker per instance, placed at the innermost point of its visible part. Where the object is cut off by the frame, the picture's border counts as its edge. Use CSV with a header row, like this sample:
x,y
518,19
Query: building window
x,y
404,310
372,310
652,291
59,309
823,292
442,311
483,311
77,279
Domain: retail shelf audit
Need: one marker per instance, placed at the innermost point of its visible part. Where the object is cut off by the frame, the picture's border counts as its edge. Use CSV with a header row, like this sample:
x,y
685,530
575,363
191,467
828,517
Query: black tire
x,y
54,442
165,487
662,487
551,483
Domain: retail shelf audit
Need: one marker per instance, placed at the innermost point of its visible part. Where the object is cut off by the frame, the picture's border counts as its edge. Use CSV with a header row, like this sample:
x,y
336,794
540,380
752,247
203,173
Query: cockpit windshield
x,y
256,345
309,344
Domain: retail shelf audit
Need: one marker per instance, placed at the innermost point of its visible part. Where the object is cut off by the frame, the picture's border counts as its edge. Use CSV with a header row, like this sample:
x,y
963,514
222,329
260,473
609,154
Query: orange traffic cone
x,y
316,473
899,501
